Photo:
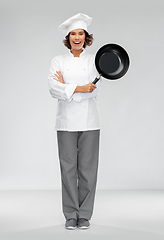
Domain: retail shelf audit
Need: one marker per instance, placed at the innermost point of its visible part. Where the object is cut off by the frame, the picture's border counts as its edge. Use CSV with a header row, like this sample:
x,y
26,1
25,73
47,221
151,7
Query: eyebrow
x,y
78,32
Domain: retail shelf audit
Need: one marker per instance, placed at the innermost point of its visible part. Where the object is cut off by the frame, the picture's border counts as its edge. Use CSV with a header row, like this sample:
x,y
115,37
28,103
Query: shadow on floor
x,y
96,232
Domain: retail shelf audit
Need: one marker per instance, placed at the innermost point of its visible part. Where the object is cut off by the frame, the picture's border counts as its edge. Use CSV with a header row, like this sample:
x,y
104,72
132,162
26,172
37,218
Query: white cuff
x,y
69,90
77,97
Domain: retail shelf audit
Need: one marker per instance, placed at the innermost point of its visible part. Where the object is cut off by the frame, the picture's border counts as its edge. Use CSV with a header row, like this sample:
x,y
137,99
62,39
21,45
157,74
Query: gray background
x,y
131,109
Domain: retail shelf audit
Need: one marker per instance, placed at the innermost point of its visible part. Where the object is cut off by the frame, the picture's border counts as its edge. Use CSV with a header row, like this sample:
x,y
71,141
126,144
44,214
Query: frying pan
x,y
112,62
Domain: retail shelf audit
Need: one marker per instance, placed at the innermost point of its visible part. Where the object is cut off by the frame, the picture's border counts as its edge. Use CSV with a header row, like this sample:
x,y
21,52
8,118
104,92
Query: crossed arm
x,y
88,88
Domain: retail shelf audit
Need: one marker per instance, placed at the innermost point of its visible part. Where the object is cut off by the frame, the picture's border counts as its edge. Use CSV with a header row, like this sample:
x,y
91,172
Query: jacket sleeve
x,y
77,97
59,90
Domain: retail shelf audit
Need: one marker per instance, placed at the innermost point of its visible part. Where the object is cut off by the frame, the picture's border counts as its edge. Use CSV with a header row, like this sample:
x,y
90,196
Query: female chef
x,y
77,121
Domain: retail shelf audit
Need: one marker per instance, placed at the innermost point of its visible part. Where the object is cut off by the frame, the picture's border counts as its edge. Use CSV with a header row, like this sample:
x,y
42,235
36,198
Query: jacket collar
x,y
81,55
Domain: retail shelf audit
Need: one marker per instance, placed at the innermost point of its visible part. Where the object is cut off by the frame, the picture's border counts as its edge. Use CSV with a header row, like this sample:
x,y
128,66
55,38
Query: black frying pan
x,y
112,62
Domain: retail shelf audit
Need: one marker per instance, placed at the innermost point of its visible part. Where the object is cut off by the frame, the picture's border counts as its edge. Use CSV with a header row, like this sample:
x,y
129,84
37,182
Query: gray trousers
x,y
78,154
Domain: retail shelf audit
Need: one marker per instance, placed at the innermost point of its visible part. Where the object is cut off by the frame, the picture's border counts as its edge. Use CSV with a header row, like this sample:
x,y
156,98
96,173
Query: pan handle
x,y
96,79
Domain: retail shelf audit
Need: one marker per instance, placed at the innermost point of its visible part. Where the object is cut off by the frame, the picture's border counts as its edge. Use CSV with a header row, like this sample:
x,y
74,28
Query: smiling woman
x,y
77,121
88,40
77,39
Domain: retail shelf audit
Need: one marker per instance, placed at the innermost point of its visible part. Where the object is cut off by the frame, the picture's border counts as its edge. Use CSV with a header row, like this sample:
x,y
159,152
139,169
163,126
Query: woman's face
x,y
77,39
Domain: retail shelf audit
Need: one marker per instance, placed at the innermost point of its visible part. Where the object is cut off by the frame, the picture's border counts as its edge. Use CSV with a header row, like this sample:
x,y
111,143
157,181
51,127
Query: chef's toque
x,y
78,21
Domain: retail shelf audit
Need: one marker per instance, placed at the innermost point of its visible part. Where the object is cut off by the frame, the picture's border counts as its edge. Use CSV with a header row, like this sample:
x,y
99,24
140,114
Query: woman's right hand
x,y
59,77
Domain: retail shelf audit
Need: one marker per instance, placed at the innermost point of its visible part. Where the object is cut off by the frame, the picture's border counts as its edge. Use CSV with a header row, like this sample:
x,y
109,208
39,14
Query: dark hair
x,y
88,40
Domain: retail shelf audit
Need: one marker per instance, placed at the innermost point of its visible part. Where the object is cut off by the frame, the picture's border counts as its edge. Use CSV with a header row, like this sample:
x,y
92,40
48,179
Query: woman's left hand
x,y
59,77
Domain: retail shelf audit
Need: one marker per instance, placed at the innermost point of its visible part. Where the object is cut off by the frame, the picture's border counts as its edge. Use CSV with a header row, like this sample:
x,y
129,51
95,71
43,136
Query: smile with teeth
x,y
77,42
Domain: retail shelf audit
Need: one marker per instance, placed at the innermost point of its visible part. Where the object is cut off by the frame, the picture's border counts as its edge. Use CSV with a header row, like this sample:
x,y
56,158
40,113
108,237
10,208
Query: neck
x,y
76,53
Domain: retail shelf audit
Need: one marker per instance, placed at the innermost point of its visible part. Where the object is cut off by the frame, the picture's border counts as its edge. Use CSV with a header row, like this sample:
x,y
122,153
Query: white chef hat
x,y
78,21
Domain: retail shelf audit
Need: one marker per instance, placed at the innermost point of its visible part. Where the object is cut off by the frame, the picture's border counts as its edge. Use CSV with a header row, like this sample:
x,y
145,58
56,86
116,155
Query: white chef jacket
x,y
75,111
